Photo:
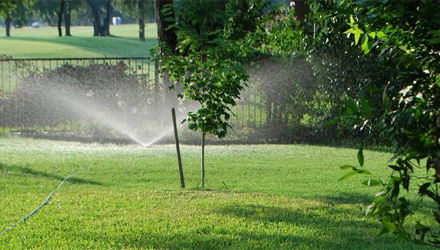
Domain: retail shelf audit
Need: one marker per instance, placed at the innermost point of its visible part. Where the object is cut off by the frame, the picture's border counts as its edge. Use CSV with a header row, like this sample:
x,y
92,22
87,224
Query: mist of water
x,y
144,121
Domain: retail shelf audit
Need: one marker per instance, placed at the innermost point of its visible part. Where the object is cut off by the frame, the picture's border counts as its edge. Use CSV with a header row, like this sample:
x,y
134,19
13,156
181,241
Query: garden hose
x,y
42,204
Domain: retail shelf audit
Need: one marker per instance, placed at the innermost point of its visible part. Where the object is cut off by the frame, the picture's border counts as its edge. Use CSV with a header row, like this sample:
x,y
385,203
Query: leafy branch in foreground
x,y
406,35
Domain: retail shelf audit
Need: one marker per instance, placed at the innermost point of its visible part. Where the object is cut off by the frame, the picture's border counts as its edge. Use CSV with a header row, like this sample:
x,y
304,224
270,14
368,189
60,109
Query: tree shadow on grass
x,y
306,231
24,170
90,44
307,224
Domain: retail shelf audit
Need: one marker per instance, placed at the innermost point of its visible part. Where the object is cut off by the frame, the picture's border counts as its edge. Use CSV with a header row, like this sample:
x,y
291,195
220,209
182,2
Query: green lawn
x,y
129,197
44,42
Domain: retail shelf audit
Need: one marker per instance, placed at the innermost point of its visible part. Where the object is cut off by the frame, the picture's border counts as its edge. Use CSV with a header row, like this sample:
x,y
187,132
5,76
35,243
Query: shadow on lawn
x,y
90,44
315,224
305,230
29,171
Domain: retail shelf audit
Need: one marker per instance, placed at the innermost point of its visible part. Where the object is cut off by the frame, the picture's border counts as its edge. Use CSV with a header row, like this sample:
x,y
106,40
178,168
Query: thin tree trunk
x,y
106,25
302,9
141,11
60,18
8,22
67,18
203,159
96,17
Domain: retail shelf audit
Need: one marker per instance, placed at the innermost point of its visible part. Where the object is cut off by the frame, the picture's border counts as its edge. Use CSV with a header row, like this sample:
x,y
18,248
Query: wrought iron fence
x,y
60,95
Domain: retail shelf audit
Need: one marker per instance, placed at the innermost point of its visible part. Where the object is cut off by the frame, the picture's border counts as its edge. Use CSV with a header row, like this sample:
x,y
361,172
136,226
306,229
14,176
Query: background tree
x,y
143,10
101,28
54,12
15,10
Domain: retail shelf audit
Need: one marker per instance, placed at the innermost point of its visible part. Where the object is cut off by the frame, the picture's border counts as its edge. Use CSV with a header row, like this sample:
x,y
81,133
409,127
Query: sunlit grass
x,y
129,197
44,42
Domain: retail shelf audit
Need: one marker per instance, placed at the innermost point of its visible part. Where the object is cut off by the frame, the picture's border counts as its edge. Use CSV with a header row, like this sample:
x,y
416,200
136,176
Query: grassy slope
x,y
258,197
44,42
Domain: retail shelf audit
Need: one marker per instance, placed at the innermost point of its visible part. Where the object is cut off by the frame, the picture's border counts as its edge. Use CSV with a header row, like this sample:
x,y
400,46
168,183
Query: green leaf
x,y
423,190
434,41
434,32
388,225
360,157
348,175
366,107
371,182
395,168
381,35
378,199
333,121
357,35
367,45
362,171
347,167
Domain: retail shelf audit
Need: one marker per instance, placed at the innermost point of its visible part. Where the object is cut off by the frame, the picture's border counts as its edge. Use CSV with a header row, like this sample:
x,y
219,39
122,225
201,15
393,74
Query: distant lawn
x,y
129,197
44,42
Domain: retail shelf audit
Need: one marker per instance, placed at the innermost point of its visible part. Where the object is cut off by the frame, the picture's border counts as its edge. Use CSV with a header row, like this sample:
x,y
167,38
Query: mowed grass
x,y
129,197
44,42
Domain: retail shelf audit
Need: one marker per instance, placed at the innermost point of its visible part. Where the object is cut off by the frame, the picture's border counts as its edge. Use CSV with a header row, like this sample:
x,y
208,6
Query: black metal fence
x,y
63,95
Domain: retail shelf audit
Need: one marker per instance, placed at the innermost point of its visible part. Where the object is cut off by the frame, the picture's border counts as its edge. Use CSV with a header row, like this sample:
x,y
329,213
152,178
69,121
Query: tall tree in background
x,y
11,9
101,28
141,19
60,18
140,9
67,16
62,12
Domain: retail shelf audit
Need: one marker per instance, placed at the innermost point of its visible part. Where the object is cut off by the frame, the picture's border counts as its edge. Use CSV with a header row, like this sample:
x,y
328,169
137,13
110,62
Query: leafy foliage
x,y
405,33
209,66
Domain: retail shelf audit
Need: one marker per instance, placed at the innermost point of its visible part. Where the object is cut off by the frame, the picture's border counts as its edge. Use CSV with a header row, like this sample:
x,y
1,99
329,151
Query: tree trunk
x,y
106,25
141,11
8,22
97,26
60,18
67,18
203,159
301,10
169,38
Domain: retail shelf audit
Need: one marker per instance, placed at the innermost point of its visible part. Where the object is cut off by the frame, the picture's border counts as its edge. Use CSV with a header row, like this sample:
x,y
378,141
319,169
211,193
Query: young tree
x,y
208,59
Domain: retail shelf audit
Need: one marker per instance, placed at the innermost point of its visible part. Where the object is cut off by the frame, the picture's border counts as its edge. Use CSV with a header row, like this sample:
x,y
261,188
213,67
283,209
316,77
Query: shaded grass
x,y
45,43
257,197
